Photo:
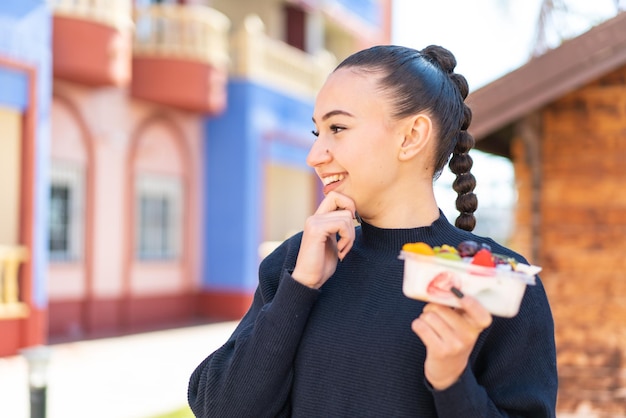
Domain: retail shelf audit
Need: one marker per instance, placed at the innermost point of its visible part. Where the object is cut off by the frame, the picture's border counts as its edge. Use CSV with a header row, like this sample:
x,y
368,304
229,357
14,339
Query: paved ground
x,y
135,376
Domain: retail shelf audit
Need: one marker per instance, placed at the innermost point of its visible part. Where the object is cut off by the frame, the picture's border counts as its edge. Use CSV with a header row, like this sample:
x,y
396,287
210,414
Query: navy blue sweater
x,y
347,350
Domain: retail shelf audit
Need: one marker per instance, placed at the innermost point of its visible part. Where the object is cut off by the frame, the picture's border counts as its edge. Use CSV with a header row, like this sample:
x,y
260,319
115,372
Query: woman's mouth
x,y
332,179
331,182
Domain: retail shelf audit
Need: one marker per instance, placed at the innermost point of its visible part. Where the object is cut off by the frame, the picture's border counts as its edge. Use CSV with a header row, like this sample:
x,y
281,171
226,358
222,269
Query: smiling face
x,y
356,152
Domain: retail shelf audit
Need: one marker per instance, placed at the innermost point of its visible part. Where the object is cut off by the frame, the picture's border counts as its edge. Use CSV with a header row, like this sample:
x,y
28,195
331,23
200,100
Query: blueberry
x,y
468,248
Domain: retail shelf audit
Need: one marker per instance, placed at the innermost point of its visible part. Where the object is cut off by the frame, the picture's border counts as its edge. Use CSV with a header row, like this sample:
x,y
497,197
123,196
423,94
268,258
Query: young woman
x,y
329,333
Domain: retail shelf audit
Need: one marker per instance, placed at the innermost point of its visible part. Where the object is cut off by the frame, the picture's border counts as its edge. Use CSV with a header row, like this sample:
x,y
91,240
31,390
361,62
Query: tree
x,y
559,20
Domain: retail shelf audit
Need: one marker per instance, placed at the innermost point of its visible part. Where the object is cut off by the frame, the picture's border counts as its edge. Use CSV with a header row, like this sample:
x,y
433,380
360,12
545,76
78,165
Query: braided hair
x,y
425,81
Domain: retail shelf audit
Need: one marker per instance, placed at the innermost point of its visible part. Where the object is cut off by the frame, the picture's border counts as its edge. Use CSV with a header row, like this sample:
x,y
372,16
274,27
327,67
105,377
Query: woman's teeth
x,y
331,179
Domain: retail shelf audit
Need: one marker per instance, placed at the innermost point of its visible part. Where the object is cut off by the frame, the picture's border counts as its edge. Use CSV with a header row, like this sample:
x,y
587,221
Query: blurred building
x,y
259,189
25,97
153,152
561,119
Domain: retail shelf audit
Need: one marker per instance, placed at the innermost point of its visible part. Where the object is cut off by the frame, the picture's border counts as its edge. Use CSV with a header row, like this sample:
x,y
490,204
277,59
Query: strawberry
x,y
484,258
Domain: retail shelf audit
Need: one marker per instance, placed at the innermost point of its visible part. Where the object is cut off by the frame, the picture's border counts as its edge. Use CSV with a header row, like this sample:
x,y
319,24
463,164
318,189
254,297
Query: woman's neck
x,y
391,240
409,209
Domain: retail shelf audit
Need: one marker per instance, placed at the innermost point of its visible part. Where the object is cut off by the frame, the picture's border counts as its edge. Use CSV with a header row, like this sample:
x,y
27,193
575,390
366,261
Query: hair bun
x,y
461,83
467,120
463,164
441,57
464,142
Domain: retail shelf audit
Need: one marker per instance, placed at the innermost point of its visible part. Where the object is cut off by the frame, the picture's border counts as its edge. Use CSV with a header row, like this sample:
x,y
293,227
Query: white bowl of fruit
x,y
441,274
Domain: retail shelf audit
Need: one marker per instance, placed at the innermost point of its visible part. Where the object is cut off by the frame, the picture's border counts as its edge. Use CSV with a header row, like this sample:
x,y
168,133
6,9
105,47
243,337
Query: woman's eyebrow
x,y
335,113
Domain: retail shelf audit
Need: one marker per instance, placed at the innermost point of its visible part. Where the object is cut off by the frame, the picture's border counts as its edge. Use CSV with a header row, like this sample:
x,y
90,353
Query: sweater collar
x,y
392,239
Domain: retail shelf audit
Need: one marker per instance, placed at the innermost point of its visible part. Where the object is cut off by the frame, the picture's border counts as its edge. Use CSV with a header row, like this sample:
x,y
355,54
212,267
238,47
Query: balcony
x,y
91,41
271,62
11,257
180,57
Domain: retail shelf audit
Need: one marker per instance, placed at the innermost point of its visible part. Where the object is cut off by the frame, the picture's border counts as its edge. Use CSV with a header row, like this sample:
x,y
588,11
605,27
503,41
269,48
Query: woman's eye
x,y
333,128
336,129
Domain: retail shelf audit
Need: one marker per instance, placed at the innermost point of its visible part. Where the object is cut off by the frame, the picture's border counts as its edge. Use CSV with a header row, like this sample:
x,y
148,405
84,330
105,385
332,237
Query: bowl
x,y
431,278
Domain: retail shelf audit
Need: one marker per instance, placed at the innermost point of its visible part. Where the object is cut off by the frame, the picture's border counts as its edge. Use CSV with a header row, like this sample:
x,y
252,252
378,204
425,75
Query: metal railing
x,y
182,31
11,257
116,13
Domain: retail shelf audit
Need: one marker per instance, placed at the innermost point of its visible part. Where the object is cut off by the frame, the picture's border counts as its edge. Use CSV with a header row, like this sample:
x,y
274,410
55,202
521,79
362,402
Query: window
x,y
295,26
60,195
159,202
65,221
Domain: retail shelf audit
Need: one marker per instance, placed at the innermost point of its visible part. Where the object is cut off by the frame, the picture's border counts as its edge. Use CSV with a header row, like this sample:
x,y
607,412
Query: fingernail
x,y
456,292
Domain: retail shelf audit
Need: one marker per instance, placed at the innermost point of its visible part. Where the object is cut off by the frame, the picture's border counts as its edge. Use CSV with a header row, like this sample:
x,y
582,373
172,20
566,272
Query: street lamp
x,y
38,358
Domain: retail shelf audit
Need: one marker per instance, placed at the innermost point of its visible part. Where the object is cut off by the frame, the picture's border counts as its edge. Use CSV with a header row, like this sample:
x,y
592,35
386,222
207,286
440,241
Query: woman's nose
x,y
318,154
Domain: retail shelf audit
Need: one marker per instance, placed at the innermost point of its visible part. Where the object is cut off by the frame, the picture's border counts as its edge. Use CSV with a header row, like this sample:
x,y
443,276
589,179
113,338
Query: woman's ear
x,y
417,135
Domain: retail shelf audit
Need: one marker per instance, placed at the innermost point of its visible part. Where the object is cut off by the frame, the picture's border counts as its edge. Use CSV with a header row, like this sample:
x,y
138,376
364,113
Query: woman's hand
x,y
320,249
449,336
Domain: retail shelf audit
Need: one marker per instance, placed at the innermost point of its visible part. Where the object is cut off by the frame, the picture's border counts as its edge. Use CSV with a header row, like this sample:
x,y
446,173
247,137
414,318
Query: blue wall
x,y
25,37
234,158
13,89
19,8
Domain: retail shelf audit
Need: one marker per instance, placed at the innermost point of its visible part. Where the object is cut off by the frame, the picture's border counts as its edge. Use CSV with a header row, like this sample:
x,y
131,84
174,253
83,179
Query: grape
x,y
468,248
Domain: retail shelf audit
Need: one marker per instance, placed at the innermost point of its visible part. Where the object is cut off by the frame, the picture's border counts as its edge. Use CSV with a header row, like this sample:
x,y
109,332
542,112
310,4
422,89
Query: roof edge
x,y
545,78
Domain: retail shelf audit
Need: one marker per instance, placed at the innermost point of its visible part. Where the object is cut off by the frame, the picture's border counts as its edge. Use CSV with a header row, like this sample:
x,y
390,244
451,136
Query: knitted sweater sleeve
x,y
252,373
512,372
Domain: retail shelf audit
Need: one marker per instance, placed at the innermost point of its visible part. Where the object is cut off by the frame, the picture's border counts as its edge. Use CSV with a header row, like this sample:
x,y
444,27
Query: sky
x,y
489,38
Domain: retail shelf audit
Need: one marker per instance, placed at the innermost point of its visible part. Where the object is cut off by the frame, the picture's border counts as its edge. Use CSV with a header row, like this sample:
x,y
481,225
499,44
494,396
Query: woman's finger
x,y
466,325
347,235
441,338
336,201
475,312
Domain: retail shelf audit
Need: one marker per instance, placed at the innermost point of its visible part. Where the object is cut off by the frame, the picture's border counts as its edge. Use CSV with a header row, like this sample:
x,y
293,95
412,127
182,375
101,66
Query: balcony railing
x,y
258,57
11,306
193,32
116,13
